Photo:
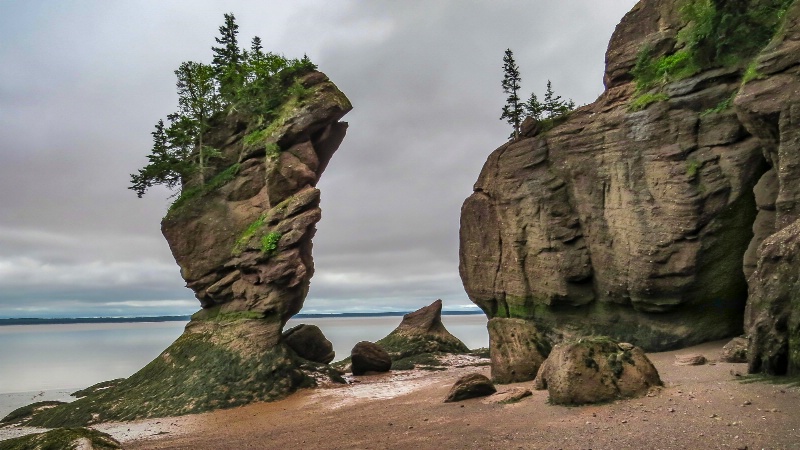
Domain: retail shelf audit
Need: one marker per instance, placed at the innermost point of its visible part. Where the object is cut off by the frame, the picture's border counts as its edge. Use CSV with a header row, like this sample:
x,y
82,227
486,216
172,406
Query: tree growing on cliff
x,y
513,109
228,59
253,83
553,105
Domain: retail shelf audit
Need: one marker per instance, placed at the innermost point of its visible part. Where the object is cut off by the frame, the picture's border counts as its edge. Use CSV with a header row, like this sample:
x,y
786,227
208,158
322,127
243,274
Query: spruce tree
x,y
228,59
512,111
533,107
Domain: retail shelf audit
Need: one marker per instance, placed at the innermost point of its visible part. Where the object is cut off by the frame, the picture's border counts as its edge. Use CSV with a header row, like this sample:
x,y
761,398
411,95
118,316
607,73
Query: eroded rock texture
x,y
629,224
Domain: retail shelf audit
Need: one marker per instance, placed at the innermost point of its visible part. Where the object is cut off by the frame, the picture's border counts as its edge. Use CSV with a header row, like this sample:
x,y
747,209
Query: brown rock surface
x,y
470,386
369,357
595,370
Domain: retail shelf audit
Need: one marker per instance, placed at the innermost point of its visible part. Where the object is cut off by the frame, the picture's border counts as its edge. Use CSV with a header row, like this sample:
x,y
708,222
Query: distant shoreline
x,y
77,320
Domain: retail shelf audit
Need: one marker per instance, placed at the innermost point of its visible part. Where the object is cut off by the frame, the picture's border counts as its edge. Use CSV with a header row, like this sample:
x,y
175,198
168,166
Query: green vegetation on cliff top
x,y
716,33
251,83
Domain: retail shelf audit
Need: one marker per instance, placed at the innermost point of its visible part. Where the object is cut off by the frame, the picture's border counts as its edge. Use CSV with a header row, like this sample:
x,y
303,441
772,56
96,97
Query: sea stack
x,y
242,238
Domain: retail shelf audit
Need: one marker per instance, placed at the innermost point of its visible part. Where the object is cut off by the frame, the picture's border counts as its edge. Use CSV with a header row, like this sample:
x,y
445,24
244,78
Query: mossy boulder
x,y
63,439
596,370
470,386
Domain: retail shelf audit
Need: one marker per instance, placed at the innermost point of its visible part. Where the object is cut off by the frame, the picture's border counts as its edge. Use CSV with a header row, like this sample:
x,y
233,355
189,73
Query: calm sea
x,y
47,362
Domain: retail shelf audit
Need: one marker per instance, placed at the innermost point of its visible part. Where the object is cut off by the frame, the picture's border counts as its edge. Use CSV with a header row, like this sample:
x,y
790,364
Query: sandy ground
x,y
701,407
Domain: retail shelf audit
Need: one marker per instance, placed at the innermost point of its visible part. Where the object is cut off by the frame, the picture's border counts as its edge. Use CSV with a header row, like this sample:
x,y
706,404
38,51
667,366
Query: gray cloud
x,y
82,84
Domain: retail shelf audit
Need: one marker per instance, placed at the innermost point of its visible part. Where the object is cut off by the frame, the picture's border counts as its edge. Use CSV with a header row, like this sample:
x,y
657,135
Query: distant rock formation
x,y
242,240
596,370
422,331
644,225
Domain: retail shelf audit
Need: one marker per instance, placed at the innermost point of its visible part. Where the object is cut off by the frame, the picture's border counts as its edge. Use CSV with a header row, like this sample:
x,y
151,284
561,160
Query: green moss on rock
x,y
198,372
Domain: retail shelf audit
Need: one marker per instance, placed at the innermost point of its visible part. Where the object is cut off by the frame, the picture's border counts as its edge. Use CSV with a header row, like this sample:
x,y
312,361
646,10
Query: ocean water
x,y
47,362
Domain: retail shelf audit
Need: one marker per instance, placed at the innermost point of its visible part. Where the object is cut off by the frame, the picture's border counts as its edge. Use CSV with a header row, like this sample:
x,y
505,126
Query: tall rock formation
x,y
242,239
639,225
769,107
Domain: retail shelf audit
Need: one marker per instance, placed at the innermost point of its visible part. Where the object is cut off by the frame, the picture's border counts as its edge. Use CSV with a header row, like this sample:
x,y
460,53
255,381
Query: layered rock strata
x,y
637,224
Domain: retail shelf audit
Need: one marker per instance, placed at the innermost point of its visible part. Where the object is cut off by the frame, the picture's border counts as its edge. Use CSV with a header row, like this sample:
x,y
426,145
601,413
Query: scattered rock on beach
x,y
512,395
470,386
369,357
309,343
690,360
734,351
594,370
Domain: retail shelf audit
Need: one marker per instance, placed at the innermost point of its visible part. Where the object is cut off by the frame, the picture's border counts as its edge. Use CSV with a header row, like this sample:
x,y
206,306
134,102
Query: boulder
x,y
369,357
309,343
690,360
734,351
512,395
422,331
595,370
517,349
470,386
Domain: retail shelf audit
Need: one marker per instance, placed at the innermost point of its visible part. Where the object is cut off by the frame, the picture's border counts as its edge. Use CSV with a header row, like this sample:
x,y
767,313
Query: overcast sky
x,y
83,82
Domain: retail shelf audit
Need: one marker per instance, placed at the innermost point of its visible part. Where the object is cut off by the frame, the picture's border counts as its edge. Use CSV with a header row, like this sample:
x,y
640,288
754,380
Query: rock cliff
x,y
642,225
242,238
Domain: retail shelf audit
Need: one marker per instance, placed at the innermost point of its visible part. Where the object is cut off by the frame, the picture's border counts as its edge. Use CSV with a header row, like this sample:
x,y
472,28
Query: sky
x,y
82,83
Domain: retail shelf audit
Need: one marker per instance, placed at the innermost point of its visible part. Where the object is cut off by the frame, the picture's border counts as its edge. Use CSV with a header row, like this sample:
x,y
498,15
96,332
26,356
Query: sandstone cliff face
x,y
630,224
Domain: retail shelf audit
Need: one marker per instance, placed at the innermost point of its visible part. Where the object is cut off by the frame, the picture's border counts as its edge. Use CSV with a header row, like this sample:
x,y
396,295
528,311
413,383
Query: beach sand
x,y
706,407
700,407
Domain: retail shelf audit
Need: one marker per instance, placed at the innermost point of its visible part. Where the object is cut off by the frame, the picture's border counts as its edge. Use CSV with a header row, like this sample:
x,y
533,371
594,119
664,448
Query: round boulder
x,y
595,370
369,357
470,386
309,343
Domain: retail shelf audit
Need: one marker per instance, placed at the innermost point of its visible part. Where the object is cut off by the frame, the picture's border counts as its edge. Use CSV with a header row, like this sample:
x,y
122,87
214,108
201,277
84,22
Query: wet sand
x,y
700,407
